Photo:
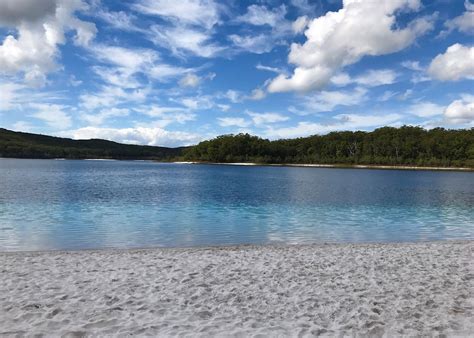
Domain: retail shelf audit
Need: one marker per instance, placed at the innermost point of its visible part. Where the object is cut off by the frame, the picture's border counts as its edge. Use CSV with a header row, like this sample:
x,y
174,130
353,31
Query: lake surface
x,y
47,204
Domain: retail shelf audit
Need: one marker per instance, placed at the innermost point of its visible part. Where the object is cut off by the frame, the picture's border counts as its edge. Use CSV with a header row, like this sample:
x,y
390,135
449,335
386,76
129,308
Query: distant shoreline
x,y
253,164
340,166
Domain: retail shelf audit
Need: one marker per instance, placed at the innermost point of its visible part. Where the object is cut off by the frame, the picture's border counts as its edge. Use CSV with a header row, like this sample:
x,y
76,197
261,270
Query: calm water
x,y
96,204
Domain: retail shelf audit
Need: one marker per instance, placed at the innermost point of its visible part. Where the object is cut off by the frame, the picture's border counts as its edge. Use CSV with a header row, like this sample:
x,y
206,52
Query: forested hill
x,y
384,146
25,145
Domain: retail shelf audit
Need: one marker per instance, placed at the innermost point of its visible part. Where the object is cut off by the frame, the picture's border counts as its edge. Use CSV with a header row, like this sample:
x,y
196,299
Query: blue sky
x,y
163,72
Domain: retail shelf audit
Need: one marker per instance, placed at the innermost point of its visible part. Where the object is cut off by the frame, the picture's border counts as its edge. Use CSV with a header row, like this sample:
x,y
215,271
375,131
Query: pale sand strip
x,y
391,289
340,166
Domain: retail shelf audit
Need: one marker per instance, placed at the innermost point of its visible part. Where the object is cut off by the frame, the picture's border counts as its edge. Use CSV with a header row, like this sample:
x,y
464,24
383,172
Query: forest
x,y
406,145
384,146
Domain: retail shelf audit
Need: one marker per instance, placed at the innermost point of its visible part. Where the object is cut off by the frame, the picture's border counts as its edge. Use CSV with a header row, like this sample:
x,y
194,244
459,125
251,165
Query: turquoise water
x,y
47,204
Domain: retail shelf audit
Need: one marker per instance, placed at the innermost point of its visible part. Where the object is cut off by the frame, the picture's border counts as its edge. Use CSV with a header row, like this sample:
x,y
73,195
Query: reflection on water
x,y
86,204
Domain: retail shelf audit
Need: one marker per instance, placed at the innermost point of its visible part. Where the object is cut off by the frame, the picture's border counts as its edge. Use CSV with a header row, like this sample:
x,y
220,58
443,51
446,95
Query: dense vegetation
x,y
383,146
25,145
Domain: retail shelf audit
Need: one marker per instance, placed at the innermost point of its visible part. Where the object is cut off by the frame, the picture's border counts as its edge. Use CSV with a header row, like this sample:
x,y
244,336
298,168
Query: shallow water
x,y
47,204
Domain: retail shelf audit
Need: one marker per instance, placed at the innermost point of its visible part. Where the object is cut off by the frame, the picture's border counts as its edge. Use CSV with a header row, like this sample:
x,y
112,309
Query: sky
x,y
172,73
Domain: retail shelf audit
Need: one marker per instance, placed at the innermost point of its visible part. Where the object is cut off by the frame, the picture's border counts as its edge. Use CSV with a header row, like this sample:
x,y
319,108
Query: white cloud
x,y
413,65
269,69
328,100
300,24
461,111
371,78
191,25
203,13
463,23
233,95
303,6
168,115
132,59
23,126
200,102
119,20
258,44
233,122
387,95
375,78
103,115
111,96
52,114
266,118
8,95
455,64
41,27
138,135
338,39
182,39
277,29
339,122
260,15
257,94
426,109
190,80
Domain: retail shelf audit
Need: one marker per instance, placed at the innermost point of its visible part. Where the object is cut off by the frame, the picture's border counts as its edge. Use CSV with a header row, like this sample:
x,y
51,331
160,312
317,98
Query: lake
x,y
50,204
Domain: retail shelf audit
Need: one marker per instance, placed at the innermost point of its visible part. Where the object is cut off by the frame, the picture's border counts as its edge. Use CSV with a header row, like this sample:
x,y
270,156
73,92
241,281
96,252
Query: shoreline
x,y
415,288
254,164
243,246
337,166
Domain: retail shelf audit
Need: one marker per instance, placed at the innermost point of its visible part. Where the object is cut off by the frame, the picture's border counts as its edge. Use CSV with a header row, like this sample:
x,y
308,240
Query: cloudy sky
x,y
166,72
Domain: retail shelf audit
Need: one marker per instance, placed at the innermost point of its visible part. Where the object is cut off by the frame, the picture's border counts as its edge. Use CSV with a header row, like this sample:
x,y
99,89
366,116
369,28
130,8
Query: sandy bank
x,y
391,289
342,166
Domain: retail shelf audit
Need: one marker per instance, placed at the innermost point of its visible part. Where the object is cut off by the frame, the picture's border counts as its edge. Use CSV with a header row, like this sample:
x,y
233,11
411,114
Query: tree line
x,y
406,145
384,146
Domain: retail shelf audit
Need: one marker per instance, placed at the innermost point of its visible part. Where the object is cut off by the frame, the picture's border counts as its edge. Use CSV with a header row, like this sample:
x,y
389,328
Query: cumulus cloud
x,y
338,39
455,64
461,111
138,135
41,26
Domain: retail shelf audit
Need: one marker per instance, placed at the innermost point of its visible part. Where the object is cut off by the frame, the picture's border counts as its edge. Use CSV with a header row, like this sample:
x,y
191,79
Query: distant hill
x,y
26,145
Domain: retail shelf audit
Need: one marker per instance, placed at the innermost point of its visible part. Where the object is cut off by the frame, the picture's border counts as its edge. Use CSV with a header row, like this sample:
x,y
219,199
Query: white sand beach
x,y
337,289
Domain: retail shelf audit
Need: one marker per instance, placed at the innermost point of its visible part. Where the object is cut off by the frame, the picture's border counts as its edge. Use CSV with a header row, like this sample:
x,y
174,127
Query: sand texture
x,y
329,290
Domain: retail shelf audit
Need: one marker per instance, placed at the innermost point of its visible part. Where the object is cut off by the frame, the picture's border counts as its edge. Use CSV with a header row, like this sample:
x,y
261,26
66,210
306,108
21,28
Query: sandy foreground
x,y
370,289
